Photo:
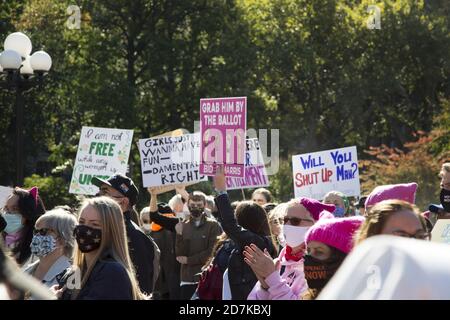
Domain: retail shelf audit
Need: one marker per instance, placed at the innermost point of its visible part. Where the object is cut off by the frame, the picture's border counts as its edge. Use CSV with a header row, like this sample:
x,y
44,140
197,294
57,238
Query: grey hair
x,y
210,202
175,200
145,210
62,223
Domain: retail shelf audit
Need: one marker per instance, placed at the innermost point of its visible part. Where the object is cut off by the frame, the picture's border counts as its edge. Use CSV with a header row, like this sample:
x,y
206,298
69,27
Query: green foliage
x,y
309,68
53,191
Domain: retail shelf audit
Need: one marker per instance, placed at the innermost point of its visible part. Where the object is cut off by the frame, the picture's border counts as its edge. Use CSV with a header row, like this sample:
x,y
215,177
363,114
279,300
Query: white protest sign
x,y
317,173
441,231
255,170
4,194
171,160
102,152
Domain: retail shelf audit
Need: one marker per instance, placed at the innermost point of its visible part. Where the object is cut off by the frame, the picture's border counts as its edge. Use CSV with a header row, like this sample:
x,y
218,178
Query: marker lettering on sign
x,y
306,179
339,158
326,175
343,173
311,162
102,149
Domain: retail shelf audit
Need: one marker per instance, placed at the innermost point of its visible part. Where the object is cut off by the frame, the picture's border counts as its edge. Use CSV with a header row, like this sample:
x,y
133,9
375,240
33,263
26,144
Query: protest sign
x,y
102,152
255,171
171,160
223,125
317,173
4,194
441,231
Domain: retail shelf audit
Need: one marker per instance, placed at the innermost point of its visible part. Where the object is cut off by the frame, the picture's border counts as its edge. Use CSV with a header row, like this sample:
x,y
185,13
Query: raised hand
x,y
220,182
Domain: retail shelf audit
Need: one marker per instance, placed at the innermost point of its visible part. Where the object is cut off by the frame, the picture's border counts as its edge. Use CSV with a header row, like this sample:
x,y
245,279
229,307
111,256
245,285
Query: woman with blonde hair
x,y
276,221
393,217
102,269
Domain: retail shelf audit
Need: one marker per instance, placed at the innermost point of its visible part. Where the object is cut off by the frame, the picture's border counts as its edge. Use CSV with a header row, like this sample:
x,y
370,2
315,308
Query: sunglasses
x,y
42,232
296,221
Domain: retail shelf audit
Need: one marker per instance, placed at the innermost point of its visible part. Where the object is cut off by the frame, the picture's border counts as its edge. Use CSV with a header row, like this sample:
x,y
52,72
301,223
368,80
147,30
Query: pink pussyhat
x,y
326,215
34,193
403,191
337,232
316,207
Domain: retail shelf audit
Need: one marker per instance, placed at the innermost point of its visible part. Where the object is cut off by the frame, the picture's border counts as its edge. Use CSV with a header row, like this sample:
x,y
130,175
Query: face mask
x,y
146,226
196,212
293,235
42,245
88,238
13,222
339,212
445,199
319,272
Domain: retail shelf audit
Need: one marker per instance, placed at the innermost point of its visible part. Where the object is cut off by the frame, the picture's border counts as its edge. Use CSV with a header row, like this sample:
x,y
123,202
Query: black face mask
x,y
445,199
319,272
196,212
88,238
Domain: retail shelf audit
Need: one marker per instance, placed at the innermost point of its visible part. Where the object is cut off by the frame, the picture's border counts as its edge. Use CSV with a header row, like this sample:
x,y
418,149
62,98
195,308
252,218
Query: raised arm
x,y
168,223
241,237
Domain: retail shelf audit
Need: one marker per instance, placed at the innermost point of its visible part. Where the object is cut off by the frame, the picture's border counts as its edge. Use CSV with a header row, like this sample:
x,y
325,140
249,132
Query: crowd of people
x,y
206,247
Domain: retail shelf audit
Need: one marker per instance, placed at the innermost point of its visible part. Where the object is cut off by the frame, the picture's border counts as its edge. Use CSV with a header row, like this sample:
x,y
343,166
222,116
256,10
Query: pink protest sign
x,y
223,126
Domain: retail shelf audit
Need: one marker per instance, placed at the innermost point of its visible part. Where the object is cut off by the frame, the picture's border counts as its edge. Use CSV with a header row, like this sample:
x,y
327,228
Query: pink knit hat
x,y
326,215
315,207
336,232
404,191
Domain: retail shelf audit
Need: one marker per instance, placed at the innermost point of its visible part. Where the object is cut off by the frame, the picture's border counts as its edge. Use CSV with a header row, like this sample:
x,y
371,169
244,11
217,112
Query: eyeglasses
x,y
296,221
419,235
42,232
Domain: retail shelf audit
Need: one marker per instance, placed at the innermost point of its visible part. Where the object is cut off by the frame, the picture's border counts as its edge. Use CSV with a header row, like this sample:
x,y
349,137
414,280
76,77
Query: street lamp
x,y
20,72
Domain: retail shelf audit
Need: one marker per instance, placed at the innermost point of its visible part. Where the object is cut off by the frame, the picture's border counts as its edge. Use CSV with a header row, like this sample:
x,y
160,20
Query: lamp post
x,y
20,72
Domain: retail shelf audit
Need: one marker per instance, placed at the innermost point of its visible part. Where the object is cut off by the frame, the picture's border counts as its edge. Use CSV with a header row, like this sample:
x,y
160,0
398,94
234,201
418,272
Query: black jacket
x,y
141,254
169,275
108,280
240,275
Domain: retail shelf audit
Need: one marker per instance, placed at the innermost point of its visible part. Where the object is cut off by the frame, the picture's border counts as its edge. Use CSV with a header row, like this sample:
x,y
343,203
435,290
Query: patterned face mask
x,y
88,238
42,245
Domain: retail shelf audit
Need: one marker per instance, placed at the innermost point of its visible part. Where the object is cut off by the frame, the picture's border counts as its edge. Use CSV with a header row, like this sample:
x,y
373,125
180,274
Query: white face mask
x,y
146,226
294,236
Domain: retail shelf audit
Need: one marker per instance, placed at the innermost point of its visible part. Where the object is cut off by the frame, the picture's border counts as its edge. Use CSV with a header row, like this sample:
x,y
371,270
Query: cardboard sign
x,y
171,160
223,126
441,231
4,194
255,170
317,173
102,152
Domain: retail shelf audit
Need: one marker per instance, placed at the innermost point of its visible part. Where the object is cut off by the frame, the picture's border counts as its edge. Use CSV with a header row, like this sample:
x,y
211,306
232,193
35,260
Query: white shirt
x,y
58,267
226,290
